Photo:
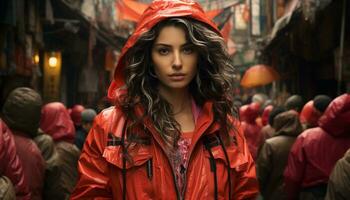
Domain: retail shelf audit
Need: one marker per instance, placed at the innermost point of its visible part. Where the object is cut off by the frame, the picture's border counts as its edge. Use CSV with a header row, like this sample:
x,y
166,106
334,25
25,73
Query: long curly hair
x,y
213,81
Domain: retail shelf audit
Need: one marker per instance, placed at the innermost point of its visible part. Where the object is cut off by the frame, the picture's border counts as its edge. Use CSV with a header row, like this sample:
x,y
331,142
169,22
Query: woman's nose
x,y
177,62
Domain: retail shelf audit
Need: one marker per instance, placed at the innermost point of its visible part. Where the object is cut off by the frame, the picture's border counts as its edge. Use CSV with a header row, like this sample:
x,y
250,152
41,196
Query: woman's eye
x,y
188,50
163,51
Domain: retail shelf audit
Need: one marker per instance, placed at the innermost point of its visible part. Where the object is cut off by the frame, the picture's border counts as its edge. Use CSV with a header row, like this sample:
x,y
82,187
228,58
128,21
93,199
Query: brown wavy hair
x,y
213,81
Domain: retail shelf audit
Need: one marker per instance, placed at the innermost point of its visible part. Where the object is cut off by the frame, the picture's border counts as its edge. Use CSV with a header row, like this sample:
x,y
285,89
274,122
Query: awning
x,y
284,21
109,38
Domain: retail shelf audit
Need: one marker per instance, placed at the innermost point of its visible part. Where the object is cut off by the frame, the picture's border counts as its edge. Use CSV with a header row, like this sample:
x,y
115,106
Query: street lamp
x,y
36,58
53,60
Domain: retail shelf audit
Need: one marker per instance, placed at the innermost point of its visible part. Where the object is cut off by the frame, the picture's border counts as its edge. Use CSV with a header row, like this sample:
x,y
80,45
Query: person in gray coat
x,y
274,155
53,189
339,181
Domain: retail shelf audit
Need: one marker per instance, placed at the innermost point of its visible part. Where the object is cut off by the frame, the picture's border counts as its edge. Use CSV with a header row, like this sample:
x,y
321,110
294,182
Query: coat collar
x,y
204,123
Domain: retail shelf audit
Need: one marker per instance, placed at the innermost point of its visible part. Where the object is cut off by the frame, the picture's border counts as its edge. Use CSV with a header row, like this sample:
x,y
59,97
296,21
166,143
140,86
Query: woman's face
x,y
174,59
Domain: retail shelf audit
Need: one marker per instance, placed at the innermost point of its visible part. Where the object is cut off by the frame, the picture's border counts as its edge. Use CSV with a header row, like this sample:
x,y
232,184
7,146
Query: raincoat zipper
x,y
201,129
178,195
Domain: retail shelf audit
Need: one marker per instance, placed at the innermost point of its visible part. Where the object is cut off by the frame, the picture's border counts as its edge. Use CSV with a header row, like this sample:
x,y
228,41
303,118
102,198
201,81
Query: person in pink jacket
x,y
316,151
10,165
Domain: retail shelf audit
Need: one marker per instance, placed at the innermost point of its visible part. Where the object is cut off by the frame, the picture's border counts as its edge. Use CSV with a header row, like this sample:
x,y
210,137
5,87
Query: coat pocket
x,y
139,171
236,159
139,156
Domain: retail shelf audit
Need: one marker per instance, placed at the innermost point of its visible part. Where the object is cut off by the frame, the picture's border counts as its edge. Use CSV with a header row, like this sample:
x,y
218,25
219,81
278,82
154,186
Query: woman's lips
x,y
177,77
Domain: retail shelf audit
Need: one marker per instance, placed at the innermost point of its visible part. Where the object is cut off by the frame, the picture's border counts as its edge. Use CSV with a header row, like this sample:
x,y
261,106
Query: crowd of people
x,y
301,151
175,130
40,146
296,146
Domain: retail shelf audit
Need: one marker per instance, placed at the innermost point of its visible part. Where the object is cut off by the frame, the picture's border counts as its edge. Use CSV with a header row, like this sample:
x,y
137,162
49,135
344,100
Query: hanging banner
x,y
239,21
255,9
130,10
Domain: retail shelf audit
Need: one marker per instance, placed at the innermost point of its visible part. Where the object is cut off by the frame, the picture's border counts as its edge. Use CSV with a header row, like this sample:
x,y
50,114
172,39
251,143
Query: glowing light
x,y
53,61
36,59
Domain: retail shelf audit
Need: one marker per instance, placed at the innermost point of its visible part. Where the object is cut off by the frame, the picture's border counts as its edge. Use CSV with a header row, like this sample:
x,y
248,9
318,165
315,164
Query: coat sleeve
x,y
12,167
339,181
93,182
263,166
246,186
294,171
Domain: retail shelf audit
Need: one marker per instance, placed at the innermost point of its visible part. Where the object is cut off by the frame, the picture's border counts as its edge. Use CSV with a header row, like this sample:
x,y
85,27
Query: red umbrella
x,y
259,75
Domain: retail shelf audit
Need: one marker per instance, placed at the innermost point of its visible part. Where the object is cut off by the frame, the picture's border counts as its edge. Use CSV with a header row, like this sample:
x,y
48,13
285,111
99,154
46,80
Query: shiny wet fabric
x,y
100,165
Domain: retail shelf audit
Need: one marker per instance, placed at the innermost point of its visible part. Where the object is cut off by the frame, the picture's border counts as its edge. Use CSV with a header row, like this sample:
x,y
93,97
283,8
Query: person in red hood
x,y
75,114
316,151
172,133
313,110
251,128
56,122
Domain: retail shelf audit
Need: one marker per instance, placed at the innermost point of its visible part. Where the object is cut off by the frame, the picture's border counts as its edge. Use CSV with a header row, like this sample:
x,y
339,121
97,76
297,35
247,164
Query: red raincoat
x,y
100,165
10,165
309,115
316,150
56,122
150,175
251,128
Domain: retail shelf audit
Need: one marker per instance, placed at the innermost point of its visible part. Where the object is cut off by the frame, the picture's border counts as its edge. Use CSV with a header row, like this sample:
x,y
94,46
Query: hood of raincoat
x,y
156,12
252,112
287,123
265,115
309,114
75,114
55,121
336,118
21,111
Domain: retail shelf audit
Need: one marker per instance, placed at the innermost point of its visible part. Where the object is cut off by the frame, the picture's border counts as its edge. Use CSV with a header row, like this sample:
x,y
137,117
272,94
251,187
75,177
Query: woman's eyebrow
x,y
162,44
168,45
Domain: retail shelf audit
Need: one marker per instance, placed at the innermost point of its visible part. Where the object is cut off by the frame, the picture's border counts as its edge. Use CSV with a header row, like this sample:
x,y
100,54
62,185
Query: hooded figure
x,y
294,102
24,127
172,133
11,169
56,122
252,129
268,131
316,151
309,115
75,114
265,115
274,154
313,110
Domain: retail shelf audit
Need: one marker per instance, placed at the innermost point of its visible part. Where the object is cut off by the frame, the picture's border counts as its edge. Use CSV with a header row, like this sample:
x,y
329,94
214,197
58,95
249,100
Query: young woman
x,y
172,133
